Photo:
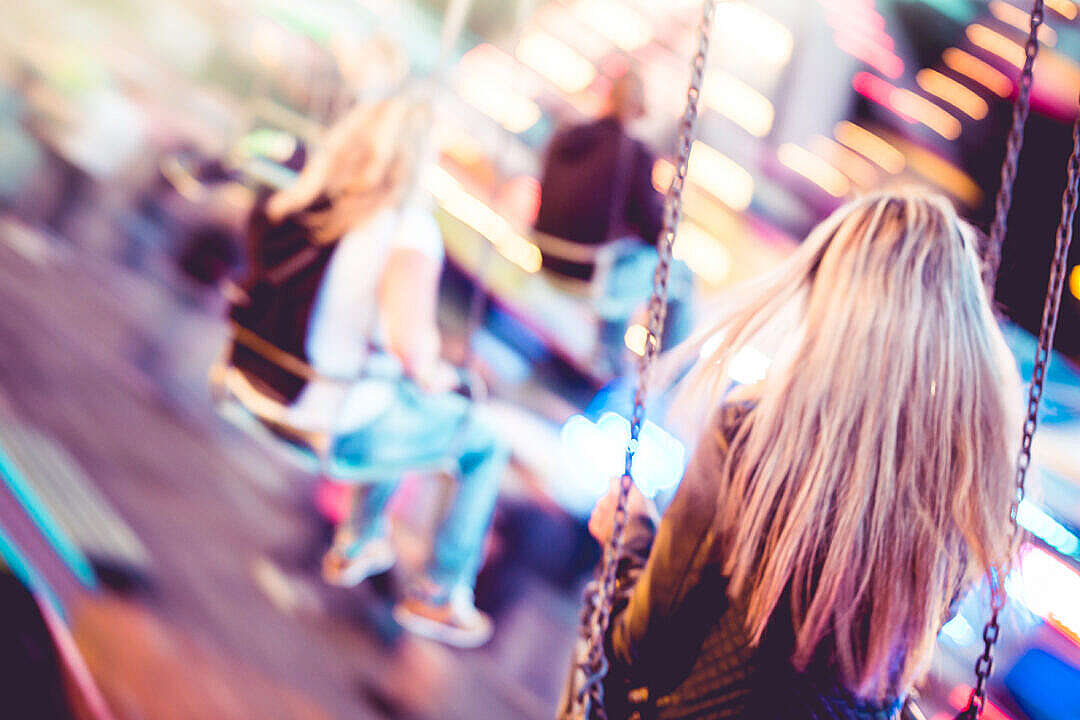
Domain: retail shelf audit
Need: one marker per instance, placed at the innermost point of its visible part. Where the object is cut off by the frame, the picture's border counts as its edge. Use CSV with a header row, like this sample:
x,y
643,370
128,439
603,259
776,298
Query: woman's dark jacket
x,y
678,644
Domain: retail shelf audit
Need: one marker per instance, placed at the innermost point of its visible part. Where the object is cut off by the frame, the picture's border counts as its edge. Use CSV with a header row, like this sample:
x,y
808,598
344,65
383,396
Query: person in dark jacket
x,y
596,192
833,512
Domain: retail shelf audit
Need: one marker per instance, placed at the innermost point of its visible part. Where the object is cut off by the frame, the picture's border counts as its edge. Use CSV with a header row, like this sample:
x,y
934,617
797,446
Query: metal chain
x,y
1013,145
599,599
1055,286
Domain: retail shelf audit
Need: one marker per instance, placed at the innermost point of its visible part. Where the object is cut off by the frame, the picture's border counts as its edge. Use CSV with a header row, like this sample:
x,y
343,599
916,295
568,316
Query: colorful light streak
x,y
953,93
1048,587
860,32
513,111
814,169
748,30
909,106
739,102
958,698
870,146
720,176
996,43
1021,20
907,103
615,21
703,253
556,61
944,174
1033,519
986,75
849,162
1065,8
472,211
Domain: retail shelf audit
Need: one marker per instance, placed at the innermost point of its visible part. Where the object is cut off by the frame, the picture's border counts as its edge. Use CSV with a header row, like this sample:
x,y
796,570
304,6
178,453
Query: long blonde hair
x,y
872,478
366,163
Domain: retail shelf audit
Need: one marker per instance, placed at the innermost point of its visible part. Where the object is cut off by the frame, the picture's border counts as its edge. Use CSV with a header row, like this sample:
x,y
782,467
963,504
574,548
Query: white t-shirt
x,y
344,320
345,317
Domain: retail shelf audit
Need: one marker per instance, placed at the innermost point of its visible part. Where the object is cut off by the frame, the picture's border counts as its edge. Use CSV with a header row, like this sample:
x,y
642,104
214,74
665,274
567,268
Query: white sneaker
x,y
348,565
455,622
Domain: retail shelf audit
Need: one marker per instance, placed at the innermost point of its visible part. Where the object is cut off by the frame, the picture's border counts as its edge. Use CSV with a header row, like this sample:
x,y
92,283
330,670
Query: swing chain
x,y
1055,286
1013,145
598,602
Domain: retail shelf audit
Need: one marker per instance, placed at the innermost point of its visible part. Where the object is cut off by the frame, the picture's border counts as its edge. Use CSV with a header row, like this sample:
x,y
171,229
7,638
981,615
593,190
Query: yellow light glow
x,y
615,21
186,184
974,68
498,66
946,175
952,92
1074,282
997,44
932,116
703,253
1065,8
850,163
635,338
663,172
870,146
814,169
720,176
513,111
556,61
749,366
738,102
1021,20
470,210
748,30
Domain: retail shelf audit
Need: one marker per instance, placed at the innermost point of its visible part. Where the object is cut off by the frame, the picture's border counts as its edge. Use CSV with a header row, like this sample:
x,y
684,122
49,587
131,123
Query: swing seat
x,y
259,415
602,257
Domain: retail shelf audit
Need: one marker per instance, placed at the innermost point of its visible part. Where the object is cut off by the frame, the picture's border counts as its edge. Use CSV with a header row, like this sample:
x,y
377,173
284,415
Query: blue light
x,y
595,453
1050,531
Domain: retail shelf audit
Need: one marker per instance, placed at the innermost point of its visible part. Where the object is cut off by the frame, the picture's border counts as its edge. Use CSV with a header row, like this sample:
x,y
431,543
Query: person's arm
x,y
408,293
673,580
645,206
408,301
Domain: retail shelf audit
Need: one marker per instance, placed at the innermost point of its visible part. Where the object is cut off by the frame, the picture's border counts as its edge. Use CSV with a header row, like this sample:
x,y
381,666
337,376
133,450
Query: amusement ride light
x,y
952,92
738,102
870,146
1021,20
996,43
615,21
472,211
513,111
1048,587
814,169
557,61
986,75
1065,8
847,161
748,30
910,104
703,253
720,176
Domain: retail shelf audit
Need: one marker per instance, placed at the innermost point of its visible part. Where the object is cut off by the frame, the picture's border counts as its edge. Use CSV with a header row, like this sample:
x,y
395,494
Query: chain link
x,y
1052,305
1013,145
600,596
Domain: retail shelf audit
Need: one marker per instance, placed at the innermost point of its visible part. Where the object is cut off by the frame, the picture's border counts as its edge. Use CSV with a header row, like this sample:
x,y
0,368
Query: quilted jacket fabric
x,y
678,644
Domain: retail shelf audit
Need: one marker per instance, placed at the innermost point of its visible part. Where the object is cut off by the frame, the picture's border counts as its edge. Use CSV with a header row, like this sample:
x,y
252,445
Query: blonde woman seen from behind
x,y
832,513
